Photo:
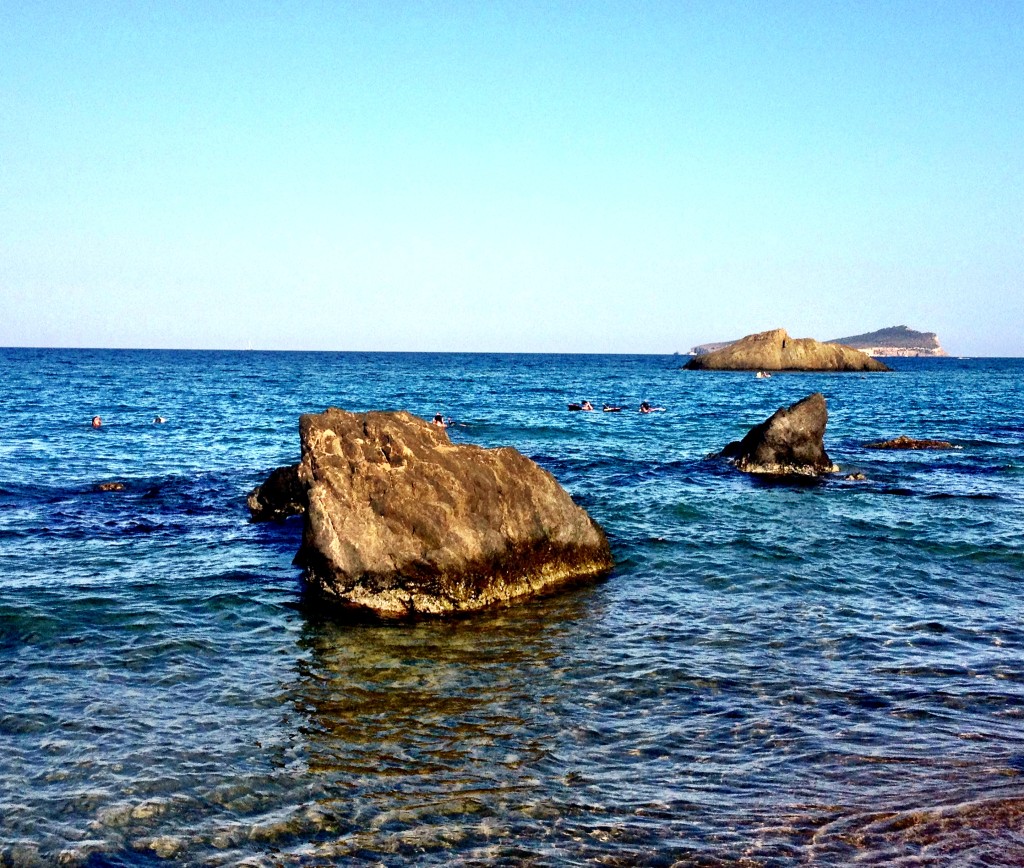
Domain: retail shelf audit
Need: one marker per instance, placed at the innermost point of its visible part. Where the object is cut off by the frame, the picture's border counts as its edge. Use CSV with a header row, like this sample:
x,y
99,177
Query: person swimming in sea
x,y
159,420
97,422
647,408
611,408
439,421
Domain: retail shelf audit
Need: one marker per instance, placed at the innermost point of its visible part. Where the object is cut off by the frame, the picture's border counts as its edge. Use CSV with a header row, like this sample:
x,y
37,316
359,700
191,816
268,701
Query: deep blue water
x,y
772,675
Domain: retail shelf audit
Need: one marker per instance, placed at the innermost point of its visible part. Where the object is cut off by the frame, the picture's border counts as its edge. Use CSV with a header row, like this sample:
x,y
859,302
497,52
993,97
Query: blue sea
x,y
773,674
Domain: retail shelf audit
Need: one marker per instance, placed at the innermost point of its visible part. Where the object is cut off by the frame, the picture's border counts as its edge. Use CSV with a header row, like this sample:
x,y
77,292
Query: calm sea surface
x,y
772,674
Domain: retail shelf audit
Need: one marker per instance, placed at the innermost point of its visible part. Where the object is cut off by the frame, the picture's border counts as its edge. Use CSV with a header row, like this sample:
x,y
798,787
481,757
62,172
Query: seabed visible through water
x,y
771,675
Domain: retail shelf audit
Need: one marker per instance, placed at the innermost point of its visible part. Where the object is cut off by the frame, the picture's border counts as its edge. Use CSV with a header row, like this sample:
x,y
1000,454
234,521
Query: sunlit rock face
x,y
776,351
789,443
401,523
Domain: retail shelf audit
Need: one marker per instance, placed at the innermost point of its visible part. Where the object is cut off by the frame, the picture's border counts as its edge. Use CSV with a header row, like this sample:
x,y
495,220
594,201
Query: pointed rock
x,y
789,442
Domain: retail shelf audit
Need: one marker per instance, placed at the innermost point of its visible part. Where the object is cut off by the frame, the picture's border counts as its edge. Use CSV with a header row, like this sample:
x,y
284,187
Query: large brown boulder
x,y
776,351
401,523
790,442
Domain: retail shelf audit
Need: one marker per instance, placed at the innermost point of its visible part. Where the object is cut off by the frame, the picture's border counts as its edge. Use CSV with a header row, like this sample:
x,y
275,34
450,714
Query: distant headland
x,y
895,341
892,341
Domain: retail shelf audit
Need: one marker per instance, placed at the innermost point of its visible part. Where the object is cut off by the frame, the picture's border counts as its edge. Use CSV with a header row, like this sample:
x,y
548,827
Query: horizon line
x,y
950,356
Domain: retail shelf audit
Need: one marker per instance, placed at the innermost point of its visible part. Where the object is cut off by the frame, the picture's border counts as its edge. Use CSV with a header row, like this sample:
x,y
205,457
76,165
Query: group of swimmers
x,y
97,422
645,407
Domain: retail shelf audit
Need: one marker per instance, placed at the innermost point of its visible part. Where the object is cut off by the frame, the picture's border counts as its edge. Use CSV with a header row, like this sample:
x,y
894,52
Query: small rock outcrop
x,y
904,442
401,523
280,496
790,442
776,351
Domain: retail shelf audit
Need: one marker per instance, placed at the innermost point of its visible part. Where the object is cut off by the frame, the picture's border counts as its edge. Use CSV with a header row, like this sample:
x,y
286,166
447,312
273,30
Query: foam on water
x,y
772,674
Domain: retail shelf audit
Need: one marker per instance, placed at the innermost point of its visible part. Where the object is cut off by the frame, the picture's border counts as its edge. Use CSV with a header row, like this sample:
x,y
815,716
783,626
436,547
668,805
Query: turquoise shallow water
x,y
772,674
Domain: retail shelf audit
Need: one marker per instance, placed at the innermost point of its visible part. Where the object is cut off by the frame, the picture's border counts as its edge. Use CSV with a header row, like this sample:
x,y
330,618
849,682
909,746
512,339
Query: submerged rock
x,y
280,496
402,523
776,351
789,442
904,442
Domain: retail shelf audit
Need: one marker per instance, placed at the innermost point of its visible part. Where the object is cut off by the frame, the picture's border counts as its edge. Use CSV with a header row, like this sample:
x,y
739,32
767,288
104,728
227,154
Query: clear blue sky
x,y
561,176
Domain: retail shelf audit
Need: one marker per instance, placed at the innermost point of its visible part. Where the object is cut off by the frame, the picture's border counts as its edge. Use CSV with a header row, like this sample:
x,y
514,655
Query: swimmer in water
x,y
159,420
97,422
647,408
439,421
586,405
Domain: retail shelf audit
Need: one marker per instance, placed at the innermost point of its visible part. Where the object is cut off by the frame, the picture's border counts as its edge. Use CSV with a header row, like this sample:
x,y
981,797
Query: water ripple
x,y
773,674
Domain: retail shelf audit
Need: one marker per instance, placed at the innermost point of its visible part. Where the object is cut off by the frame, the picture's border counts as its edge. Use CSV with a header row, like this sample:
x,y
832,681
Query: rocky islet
x,y
892,341
775,350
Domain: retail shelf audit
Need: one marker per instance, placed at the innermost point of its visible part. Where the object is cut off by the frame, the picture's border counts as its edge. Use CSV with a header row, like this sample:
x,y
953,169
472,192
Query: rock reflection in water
x,y
428,737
